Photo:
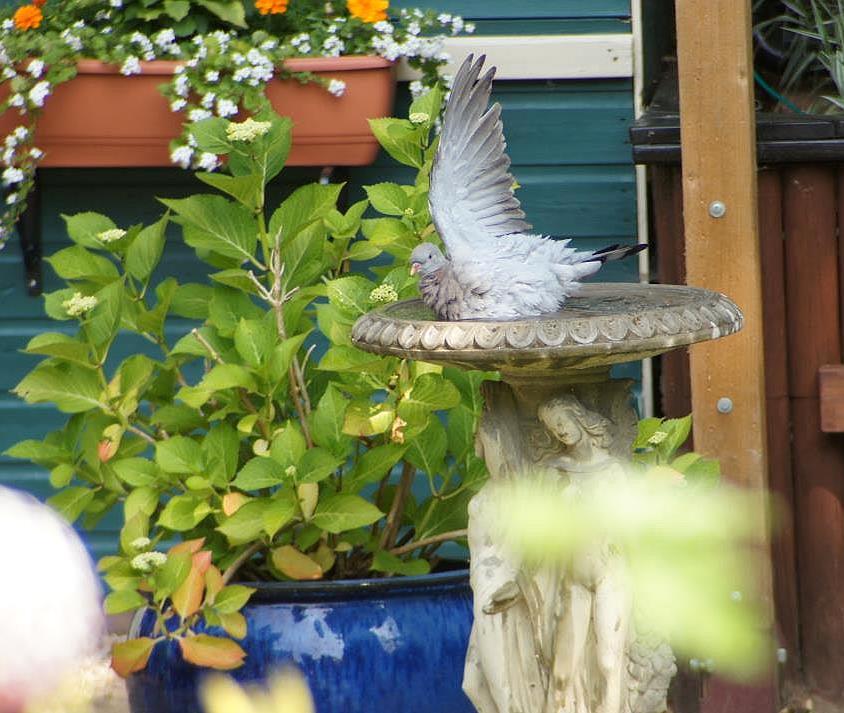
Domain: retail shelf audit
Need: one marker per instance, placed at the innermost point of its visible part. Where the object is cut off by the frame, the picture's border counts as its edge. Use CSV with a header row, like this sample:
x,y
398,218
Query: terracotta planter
x,y
104,119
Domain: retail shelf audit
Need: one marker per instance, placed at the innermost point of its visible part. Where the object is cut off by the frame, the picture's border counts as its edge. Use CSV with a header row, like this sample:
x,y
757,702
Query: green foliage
x,y
656,451
813,34
691,555
266,461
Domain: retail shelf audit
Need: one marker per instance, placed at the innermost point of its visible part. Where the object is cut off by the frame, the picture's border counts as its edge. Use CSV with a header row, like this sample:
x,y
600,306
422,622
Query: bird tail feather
x,y
614,252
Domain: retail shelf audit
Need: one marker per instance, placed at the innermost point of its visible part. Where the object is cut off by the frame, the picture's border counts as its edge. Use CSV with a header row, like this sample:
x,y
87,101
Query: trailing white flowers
x,y
220,73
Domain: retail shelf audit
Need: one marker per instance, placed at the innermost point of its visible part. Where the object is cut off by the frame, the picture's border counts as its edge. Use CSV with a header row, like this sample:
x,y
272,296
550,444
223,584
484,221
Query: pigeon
x,y
494,267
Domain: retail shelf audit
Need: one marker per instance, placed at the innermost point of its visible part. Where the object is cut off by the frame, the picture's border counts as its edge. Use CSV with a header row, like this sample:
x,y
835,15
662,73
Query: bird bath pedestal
x,y
558,639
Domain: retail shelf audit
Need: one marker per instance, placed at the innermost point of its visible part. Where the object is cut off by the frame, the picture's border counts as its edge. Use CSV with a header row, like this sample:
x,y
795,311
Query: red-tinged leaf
x,y
132,655
234,624
188,597
295,564
212,651
106,450
233,501
213,584
189,546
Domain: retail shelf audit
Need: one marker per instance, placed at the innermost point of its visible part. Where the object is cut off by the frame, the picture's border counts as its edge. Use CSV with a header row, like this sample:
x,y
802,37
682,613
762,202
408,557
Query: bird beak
x,y
414,268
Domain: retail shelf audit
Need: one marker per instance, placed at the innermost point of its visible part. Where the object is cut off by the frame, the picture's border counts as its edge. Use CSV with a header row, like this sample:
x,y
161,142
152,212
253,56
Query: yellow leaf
x,y
294,564
212,651
219,694
188,546
233,501
213,584
289,692
234,624
188,597
324,557
308,494
132,655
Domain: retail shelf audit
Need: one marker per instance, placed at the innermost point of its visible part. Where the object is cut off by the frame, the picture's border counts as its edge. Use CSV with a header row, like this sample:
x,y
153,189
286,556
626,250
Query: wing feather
x,y
471,195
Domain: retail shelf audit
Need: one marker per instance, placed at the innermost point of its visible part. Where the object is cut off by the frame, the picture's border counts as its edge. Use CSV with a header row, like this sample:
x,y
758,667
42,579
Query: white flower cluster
x,y
140,543
332,46
337,87
182,156
257,68
223,39
383,294
79,304
165,40
144,44
413,47
247,130
455,23
131,65
12,175
35,68
207,161
111,235
657,438
10,147
148,561
302,43
71,40
226,107
39,93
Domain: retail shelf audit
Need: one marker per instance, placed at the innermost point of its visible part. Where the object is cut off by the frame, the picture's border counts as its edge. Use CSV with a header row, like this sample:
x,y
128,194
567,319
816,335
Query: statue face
x,y
567,430
562,423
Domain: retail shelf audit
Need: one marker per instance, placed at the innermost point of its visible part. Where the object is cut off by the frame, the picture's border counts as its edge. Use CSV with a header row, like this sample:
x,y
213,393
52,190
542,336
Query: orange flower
x,y
369,10
27,17
271,7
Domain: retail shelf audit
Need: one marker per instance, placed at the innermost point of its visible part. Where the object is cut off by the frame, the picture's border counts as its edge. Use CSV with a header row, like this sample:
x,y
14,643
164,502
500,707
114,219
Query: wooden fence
x,y
801,230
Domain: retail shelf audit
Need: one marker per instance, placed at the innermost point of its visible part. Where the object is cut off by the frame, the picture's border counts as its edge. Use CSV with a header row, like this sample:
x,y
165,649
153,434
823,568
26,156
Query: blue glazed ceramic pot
x,y
365,646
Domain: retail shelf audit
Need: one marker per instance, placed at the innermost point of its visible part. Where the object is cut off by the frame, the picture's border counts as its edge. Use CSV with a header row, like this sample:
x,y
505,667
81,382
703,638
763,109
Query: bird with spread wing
x,y
494,268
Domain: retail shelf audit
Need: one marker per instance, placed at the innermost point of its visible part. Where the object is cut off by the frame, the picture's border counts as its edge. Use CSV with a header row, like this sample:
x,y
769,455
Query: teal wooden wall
x,y
567,139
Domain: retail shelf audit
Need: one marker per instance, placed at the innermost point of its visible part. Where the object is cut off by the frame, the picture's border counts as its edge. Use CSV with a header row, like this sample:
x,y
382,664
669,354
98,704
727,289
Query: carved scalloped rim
x,y
717,316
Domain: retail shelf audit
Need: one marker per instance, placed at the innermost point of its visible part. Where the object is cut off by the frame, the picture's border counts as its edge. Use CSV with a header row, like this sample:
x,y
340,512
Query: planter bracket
x,y
29,234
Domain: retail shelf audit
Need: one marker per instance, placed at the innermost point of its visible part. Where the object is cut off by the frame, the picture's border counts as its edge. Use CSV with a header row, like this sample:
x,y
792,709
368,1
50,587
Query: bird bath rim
x,y
604,324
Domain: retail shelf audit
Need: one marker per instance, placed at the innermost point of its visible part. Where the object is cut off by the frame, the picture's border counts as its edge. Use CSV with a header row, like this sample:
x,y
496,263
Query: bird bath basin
x,y
556,409
605,324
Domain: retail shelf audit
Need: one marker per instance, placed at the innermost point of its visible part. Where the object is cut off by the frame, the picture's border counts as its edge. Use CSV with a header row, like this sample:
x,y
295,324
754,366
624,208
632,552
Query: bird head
x,y
426,258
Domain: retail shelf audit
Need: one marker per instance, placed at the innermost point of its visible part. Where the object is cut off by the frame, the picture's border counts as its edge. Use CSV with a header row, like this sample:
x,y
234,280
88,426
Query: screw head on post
x,y
717,209
724,404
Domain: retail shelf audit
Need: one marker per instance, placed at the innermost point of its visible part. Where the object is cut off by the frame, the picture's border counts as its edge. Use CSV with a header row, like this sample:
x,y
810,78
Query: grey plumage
x,y
494,268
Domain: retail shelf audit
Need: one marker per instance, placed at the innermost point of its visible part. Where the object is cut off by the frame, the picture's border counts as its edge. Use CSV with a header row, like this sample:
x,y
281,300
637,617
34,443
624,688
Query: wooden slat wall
x,y
812,289
801,226
570,154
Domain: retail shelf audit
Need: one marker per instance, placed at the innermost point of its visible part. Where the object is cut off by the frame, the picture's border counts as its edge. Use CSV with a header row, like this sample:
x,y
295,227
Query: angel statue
x,y
552,638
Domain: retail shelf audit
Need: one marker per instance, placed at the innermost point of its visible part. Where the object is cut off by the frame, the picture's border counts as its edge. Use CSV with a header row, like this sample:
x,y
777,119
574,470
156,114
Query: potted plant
x,y
253,455
209,58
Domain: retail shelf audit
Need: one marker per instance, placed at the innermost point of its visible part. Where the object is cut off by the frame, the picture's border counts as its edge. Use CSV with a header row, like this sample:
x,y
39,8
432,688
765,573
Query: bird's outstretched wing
x,y
471,195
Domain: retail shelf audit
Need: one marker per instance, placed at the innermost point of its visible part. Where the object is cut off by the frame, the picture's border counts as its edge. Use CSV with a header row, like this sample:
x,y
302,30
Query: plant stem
x,y
244,557
388,537
244,397
425,541
298,387
143,434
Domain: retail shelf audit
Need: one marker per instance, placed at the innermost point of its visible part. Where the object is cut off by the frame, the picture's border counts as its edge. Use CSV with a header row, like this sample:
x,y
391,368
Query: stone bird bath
x,y
557,639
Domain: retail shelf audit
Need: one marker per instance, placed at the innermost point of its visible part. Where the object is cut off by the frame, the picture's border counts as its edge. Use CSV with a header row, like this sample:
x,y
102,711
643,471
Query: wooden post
x,y
718,140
